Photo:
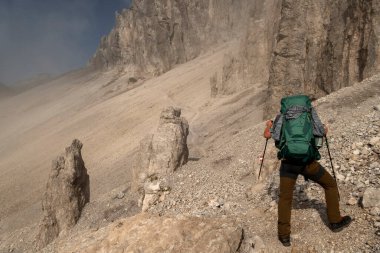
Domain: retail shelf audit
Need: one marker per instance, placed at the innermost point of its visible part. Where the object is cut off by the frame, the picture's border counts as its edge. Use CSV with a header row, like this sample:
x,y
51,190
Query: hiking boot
x,y
337,227
285,240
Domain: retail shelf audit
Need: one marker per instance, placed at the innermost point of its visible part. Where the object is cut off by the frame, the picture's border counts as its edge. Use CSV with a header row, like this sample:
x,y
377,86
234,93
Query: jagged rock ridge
x,y
153,36
312,47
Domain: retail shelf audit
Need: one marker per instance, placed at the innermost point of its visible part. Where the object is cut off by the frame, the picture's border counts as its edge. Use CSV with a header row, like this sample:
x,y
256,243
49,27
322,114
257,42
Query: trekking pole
x,y
262,160
332,167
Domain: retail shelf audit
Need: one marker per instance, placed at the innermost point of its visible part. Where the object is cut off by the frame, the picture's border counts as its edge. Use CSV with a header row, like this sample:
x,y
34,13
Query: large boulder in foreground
x,y
67,192
154,234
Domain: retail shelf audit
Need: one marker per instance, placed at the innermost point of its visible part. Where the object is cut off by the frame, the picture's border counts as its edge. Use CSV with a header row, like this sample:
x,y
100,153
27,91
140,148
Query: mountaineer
x,y
298,134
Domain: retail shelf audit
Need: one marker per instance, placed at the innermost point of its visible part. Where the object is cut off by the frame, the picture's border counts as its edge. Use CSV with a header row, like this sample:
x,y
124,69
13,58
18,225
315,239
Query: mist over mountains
x,y
51,36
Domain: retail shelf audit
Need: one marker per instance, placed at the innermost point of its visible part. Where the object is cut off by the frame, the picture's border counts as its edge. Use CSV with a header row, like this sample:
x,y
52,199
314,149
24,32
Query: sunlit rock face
x,y
146,233
153,35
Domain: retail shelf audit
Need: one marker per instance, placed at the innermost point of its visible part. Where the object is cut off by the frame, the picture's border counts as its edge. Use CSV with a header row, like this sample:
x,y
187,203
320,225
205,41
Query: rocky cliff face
x,y
311,47
153,36
322,46
249,64
293,46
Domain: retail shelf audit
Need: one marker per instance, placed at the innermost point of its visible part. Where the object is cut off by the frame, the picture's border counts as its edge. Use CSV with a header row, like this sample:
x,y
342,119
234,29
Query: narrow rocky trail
x,y
224,183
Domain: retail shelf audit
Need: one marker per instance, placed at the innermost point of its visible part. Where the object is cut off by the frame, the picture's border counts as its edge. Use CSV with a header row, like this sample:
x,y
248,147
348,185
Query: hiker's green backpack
x,y
297,143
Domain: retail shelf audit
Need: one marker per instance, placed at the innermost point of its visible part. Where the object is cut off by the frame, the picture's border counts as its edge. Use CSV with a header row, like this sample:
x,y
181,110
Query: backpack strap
x,y
295,111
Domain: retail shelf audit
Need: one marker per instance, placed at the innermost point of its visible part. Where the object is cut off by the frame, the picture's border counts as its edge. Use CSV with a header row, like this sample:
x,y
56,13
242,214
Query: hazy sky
x,y
51,36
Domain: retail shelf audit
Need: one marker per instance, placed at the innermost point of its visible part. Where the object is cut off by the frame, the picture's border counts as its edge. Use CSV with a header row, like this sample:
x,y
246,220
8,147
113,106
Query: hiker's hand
x,y
326,129
267,133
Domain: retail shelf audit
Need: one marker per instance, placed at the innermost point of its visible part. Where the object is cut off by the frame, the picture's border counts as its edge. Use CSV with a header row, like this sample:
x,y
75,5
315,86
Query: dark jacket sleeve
x,y
318,129
276,129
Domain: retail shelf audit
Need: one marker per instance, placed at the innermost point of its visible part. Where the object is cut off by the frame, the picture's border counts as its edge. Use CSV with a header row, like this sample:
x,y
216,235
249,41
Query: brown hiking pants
x,y
288,176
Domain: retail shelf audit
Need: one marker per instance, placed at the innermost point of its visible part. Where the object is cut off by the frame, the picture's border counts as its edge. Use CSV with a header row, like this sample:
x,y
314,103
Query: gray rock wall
x,y
303,46
322,46
313,47
249,64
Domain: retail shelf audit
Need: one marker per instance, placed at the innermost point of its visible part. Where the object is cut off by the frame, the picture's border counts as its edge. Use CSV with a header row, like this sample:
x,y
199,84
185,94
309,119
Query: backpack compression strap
x,y
295,111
